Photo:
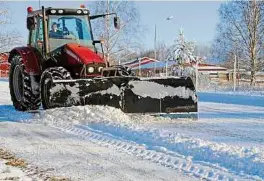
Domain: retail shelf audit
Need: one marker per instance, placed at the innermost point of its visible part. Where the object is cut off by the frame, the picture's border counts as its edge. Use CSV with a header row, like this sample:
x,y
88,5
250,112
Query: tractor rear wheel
x,y
21,91
47,77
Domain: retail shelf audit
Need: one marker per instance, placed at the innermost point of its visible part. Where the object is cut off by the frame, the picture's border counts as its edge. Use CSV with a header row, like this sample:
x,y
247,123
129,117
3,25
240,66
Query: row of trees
x,y
124,44
8,38
240,33
119,45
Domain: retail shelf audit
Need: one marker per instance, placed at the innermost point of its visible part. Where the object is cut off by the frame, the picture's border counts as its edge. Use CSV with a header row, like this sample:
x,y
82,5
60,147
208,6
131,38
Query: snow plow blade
x,y
130,94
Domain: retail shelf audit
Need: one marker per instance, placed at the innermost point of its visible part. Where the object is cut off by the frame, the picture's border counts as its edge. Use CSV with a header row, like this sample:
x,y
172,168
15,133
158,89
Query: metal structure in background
x,y
155,40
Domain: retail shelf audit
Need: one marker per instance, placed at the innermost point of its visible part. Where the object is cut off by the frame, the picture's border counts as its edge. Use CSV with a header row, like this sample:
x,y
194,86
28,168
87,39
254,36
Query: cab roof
x,y
60,11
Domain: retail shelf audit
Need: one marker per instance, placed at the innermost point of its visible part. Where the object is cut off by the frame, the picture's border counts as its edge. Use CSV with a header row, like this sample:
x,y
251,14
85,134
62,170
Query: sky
x,y
197,18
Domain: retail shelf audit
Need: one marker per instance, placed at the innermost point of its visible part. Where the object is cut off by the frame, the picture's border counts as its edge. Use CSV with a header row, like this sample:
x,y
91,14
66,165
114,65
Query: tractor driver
x,y
55,32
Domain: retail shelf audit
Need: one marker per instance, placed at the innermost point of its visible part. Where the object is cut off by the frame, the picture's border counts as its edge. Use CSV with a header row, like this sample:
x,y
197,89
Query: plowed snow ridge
x,y
204,159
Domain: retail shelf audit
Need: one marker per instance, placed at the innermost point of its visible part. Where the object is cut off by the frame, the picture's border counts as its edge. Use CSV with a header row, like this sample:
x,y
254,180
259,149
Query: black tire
x,y
50,74
21,91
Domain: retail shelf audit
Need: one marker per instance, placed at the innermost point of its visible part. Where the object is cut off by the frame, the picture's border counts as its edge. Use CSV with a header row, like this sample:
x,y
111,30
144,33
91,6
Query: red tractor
x,y
62,66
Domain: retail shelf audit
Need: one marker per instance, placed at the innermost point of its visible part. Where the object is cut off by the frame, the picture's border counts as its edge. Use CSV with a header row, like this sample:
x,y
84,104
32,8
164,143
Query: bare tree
x,y
202,50
8,38
242,27
116,42
162,52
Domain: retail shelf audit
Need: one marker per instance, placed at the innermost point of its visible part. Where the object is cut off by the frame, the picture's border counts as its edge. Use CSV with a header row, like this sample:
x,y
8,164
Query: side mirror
x,y
117,22
31,23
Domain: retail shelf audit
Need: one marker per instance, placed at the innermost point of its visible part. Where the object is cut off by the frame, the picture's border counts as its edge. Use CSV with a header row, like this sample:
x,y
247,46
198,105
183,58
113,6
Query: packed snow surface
x,y
12,173
103,143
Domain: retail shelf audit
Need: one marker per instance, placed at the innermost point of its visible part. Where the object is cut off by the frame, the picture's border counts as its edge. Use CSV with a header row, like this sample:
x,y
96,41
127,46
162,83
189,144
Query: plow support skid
x,y
130,94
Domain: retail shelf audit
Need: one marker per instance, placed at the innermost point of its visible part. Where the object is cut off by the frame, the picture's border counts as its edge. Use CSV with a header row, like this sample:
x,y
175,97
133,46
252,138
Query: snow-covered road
x,y
102,143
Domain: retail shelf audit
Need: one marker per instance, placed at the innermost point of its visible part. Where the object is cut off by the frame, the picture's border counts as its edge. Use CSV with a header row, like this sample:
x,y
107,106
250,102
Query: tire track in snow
x,y
244,162
159,157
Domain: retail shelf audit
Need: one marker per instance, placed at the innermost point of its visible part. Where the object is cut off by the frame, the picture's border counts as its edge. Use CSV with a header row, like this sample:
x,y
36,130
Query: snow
x,y
57,88
74,93
8,172
103,143
114,90
239,92
155,90
77,158
237,99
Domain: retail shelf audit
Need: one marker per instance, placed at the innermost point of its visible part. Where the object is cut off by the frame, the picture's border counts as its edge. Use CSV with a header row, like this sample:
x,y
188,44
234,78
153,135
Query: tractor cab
x,y
62,27
63,37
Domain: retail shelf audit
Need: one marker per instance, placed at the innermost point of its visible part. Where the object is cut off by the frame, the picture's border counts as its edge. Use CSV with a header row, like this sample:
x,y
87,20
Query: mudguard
x,y
29,59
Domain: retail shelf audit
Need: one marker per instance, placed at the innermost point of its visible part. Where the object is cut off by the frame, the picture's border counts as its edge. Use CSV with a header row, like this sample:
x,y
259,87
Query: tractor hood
x,y
82,54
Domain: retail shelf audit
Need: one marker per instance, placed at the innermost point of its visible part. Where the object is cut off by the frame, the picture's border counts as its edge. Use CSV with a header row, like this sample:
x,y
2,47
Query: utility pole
x,y
107,32
155,48
234,73
197,73
182,43
139,66
237,65
238,71
166,68
168,19
155,43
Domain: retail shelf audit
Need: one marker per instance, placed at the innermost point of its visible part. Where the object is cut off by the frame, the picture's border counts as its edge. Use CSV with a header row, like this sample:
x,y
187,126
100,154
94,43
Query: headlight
x,y
79,11
60,11
85,12
53,11
90,69
100,69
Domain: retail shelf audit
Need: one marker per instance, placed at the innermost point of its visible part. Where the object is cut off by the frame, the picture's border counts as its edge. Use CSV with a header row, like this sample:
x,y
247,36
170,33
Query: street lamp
x,y
155,44
169,18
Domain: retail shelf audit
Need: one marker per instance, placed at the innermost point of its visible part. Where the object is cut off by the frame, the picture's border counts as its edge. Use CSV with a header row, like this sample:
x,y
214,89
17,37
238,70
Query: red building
x,y
4,65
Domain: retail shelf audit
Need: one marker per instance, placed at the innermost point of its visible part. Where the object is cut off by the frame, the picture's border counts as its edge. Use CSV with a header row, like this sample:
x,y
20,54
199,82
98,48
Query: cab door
x,y
31,26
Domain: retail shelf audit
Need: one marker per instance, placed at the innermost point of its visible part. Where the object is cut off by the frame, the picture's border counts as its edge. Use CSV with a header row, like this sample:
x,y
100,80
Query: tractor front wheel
x,y
47,77
21,91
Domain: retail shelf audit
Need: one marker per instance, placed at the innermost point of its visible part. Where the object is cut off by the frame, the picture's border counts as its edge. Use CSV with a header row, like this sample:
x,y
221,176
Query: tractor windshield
x,y
68,29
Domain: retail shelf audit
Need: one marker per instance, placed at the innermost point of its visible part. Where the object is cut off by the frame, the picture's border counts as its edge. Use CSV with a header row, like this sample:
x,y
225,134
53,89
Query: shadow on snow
x,y
8,113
